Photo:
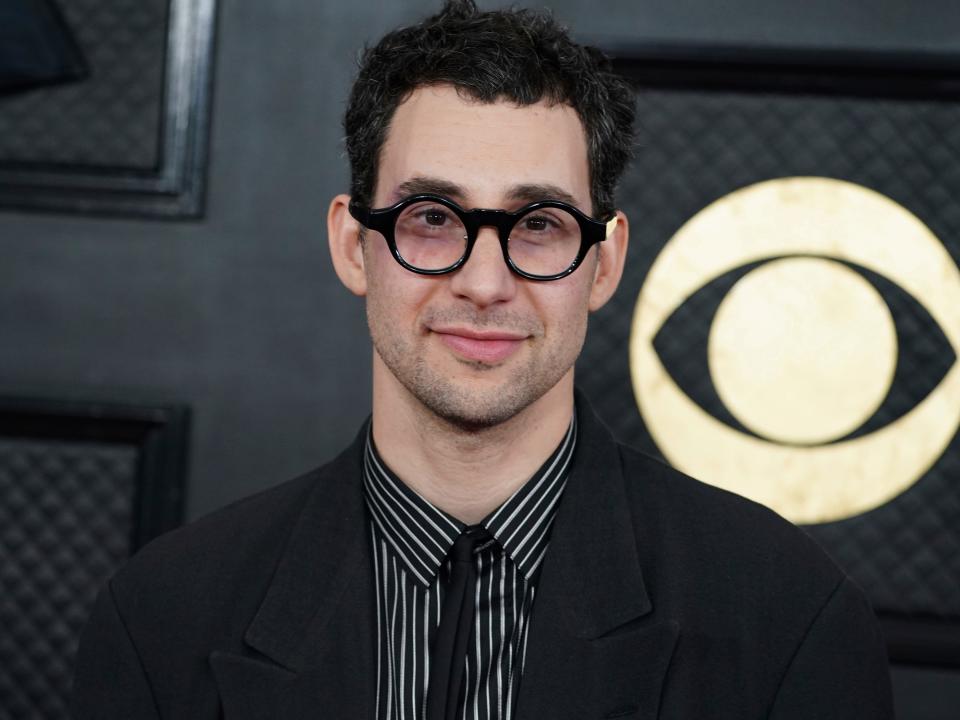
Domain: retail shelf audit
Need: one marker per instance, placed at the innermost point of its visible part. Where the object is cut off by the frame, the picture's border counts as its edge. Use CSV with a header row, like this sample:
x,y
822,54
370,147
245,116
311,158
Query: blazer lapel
x,y
313,638
595,648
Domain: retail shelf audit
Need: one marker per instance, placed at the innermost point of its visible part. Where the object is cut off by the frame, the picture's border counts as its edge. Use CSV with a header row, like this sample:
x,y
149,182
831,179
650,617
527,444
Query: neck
x,y
467,473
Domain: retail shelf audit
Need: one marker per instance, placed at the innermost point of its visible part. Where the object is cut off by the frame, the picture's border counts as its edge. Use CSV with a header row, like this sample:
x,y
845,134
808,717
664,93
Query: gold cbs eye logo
x,y
802,350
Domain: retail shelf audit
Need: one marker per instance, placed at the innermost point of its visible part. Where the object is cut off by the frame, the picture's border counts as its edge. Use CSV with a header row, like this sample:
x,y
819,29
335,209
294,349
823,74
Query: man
x,y
484,549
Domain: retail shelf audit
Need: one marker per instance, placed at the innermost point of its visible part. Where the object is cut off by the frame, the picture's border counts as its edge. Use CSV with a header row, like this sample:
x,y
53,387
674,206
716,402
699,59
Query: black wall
x,y
240,315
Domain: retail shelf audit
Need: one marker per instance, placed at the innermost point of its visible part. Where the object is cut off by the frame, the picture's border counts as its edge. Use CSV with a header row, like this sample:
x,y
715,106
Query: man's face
x,y
478,345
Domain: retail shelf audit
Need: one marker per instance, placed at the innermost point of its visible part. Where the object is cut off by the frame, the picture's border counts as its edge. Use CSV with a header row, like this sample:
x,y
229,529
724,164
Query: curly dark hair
x,y
515,55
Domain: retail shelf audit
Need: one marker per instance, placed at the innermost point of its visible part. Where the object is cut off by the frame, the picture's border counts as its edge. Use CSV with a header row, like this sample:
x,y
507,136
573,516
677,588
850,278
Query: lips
x,y
480,346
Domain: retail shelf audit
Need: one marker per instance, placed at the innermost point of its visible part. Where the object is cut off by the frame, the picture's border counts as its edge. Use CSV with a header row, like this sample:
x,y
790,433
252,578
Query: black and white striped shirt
x,y
411,540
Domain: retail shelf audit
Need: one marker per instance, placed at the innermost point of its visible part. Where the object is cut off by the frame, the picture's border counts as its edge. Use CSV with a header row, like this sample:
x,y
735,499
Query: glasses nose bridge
x,y
479,218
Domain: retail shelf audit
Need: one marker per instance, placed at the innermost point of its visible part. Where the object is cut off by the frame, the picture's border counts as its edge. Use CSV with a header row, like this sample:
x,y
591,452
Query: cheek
x,y
381,270
394,295
569,299
566,310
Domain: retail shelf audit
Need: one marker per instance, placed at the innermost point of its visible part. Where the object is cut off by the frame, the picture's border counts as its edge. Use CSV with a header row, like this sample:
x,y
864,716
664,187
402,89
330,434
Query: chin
x,y
471,410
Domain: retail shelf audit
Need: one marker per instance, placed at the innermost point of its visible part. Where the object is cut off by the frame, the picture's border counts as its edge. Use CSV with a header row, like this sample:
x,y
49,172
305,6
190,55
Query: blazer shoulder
x,y
721,529
199,588
235,548
207,550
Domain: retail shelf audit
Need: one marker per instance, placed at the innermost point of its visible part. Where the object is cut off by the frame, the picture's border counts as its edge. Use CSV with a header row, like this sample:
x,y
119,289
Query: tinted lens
x,y
545,241
430,236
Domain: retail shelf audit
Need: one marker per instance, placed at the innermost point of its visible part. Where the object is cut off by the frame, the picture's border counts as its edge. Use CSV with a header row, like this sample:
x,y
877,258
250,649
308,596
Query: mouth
x,y
483,346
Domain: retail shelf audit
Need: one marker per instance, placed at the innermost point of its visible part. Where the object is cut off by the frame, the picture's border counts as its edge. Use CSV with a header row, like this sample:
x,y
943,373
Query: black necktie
x,y
456,620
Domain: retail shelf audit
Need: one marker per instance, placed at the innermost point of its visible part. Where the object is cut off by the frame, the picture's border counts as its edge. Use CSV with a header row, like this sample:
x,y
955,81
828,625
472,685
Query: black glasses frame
x,y
384,221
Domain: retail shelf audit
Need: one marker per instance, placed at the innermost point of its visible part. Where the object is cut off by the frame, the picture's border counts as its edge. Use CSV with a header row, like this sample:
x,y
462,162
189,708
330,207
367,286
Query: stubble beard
x,y
471,404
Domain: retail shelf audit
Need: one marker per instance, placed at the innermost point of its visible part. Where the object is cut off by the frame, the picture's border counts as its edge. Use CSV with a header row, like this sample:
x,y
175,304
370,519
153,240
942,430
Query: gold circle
x,y
802,350
776,218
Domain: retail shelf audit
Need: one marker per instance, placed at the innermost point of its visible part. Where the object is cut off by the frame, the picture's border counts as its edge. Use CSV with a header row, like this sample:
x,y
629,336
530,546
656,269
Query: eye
x,y
537,223
434,216
428,219
546,224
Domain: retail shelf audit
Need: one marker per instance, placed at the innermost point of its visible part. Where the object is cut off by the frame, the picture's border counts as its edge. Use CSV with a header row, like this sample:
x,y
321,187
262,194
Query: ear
x,y
346,251
609,269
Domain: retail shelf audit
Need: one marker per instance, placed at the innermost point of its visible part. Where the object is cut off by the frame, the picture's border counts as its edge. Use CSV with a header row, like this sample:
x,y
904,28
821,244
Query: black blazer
x,y
660,597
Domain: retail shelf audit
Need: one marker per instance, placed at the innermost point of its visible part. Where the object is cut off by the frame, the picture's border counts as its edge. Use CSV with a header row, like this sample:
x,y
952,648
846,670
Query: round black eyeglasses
x,y
431,235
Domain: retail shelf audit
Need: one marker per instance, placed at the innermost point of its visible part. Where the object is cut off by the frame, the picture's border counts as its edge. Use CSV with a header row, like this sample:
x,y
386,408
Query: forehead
x,y
485,148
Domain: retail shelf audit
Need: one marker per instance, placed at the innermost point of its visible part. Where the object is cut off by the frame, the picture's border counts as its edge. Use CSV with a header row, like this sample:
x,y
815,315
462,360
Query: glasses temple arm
x,y
611,226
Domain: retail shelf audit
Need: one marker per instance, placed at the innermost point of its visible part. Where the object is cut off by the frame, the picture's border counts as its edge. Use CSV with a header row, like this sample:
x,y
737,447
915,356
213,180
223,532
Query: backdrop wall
x,y
239,315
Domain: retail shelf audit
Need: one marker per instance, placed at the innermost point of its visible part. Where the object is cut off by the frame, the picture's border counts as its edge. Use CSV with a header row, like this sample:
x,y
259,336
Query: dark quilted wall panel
x,y
65,526
112,119
696,147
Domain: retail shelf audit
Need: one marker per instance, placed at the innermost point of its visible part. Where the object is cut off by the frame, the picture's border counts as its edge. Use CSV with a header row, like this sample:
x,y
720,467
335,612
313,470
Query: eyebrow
x,y
525,192
536,191
433,186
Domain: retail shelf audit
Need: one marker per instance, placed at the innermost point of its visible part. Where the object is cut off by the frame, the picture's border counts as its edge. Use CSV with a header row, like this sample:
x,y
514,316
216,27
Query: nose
x,y
485,278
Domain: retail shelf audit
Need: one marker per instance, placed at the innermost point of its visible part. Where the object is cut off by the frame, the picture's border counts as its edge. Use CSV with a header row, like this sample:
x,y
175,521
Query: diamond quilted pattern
x,y
113,118
906,554
65,525
695,147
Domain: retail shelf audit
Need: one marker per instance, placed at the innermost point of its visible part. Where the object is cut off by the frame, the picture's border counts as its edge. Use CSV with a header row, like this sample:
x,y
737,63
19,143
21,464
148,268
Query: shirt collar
x,y
421,534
